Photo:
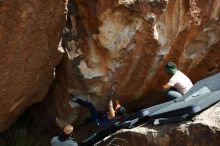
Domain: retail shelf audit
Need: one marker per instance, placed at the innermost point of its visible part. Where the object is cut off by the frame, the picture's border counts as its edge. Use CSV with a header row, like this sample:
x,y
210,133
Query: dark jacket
x,y
59,141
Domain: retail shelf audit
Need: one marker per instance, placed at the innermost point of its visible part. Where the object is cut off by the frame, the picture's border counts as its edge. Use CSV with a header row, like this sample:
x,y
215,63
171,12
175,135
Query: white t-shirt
x,y
180,82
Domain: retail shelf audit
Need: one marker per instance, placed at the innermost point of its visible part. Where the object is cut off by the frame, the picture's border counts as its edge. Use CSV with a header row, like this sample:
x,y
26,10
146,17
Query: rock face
x,y
127,41
203,130
130,41
29,35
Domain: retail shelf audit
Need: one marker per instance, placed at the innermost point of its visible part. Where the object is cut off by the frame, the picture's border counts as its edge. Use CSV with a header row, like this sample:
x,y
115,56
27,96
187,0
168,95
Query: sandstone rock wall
x,y
29,35
130,41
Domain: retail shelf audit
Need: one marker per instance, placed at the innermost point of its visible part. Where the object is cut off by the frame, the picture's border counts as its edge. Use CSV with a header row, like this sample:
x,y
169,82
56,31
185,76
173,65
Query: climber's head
x,y
171,68
68,129
120,111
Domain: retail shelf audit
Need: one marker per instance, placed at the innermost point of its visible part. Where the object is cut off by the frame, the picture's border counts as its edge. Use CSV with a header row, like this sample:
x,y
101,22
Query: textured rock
x,y
130,41
203,130
29,35
104,42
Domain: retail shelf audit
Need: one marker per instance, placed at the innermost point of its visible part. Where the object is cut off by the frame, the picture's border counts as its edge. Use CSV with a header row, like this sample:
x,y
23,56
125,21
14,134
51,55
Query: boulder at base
x,y
202,130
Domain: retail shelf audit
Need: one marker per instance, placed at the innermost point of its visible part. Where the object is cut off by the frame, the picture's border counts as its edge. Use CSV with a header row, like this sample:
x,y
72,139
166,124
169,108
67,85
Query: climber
x,y
178,84
64,139
113,114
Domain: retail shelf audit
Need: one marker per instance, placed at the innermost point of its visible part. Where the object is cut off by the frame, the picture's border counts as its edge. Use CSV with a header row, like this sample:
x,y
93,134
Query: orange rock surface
x,y
29,35
130,41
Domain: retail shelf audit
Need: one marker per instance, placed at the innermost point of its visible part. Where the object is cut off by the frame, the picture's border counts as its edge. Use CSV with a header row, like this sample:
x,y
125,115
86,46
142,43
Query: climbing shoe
x,y
73,98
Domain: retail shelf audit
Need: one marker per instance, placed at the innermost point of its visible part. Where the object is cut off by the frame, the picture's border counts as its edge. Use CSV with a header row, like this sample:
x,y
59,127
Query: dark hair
x,y
63,136
120,111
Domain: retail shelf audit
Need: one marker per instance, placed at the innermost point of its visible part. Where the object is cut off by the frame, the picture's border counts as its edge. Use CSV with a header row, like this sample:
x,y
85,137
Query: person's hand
x,y
166,87
114,85
110,103
117,106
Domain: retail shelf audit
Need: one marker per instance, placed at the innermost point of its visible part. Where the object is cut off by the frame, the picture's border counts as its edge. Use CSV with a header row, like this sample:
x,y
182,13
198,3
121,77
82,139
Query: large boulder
x,y
202,130
130,41
30,32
